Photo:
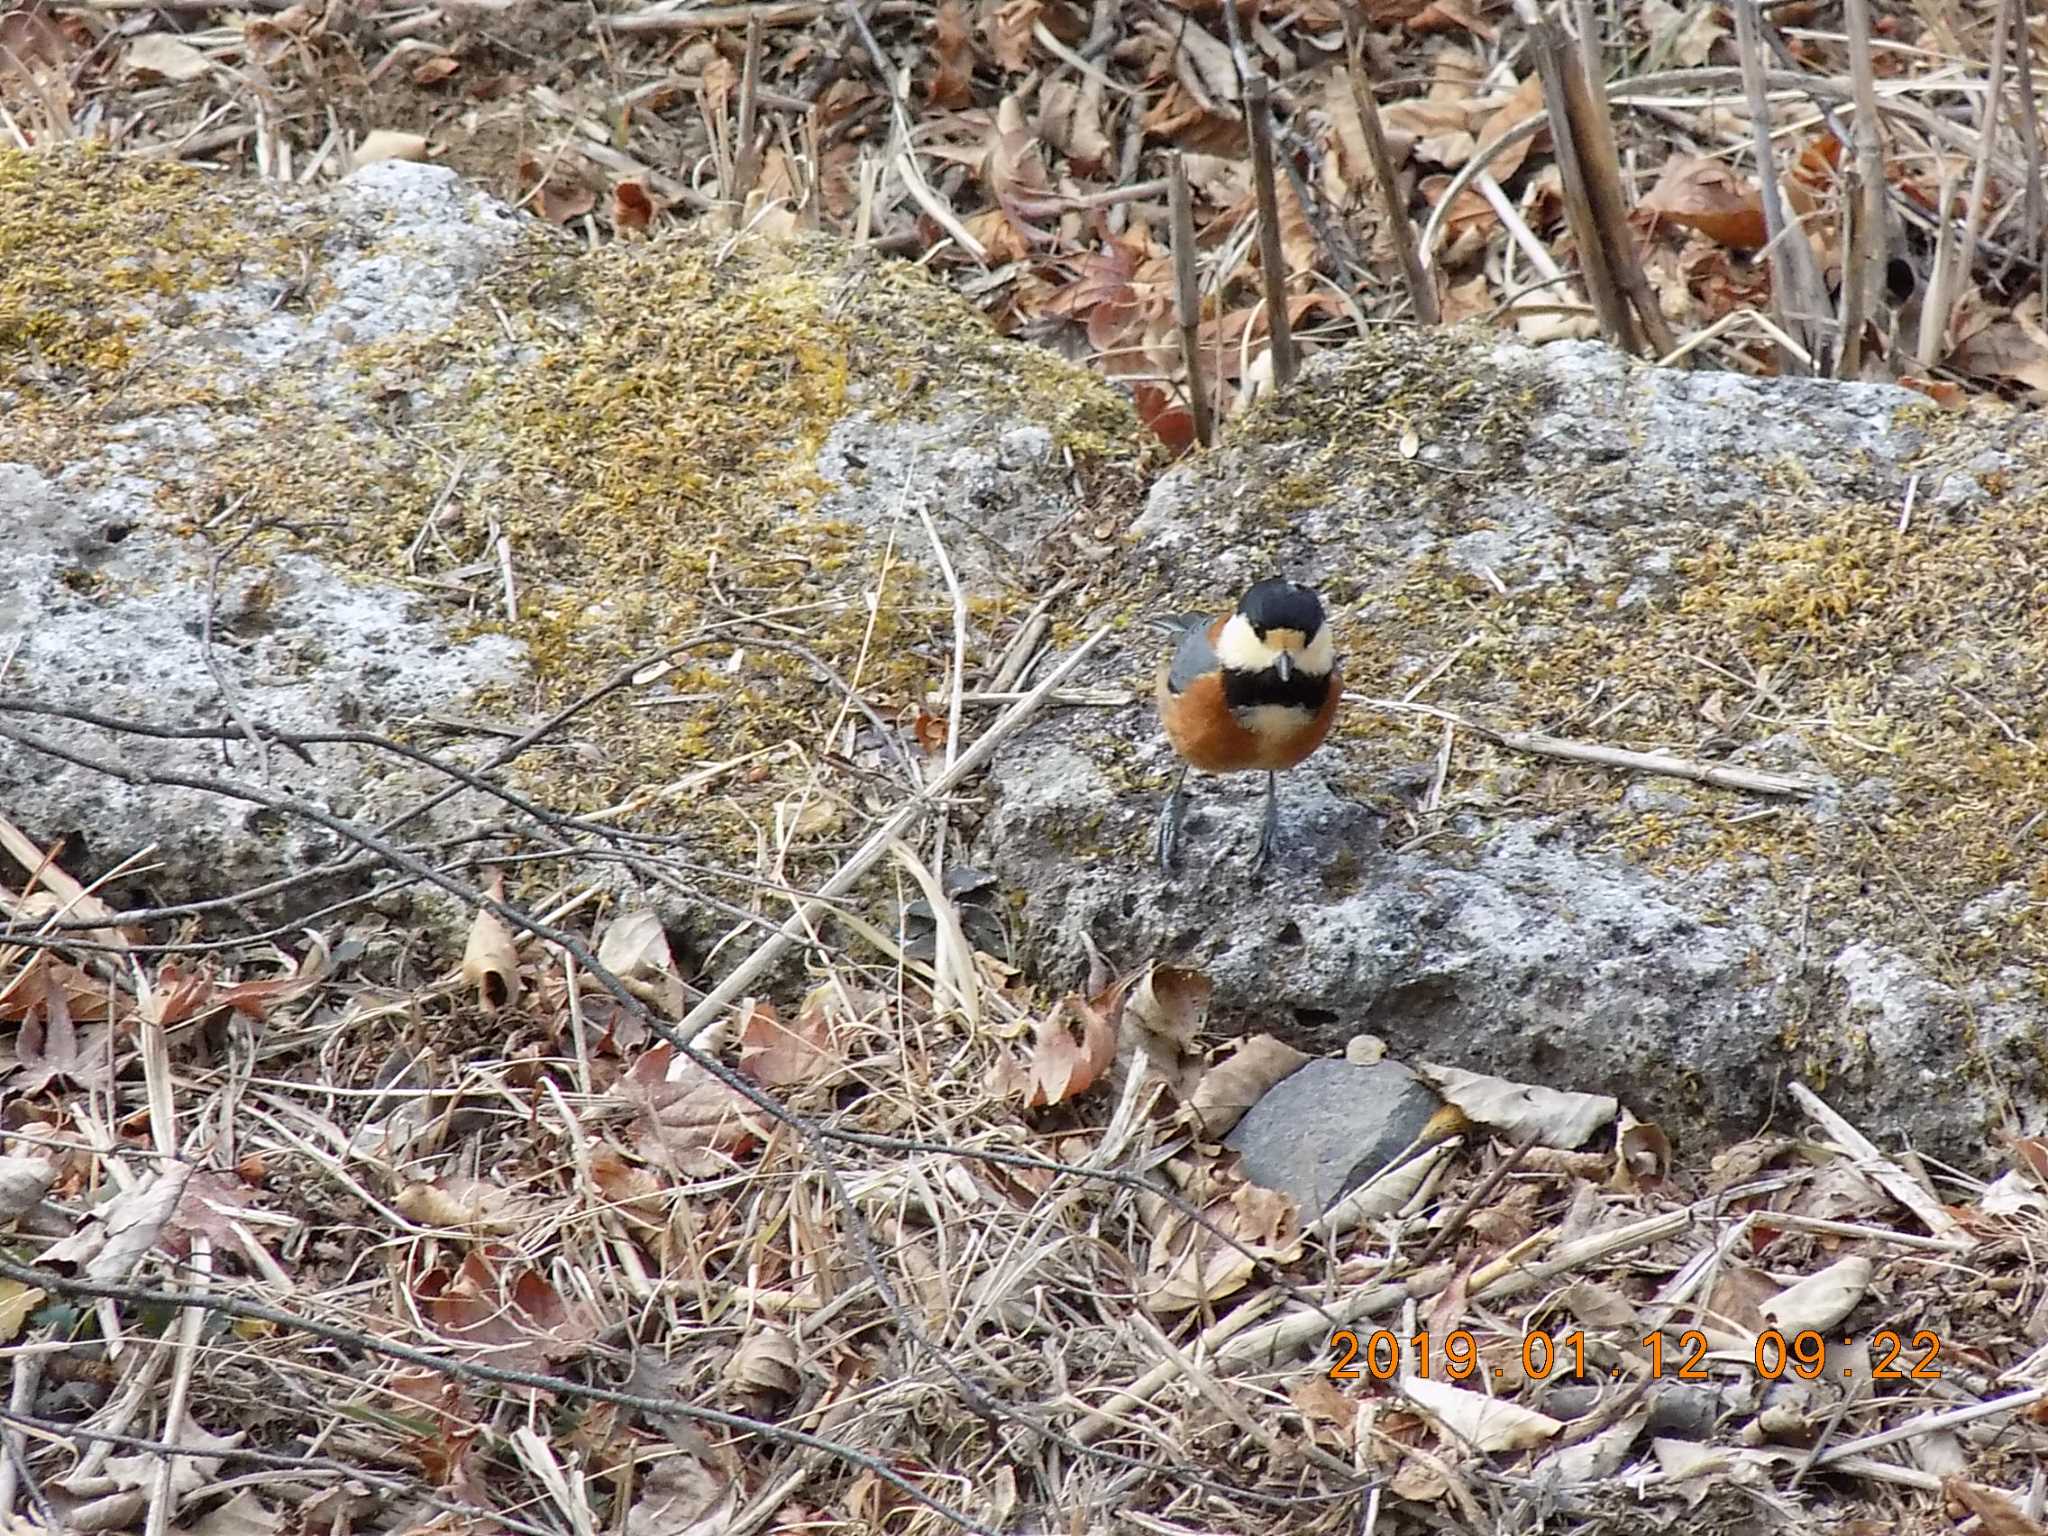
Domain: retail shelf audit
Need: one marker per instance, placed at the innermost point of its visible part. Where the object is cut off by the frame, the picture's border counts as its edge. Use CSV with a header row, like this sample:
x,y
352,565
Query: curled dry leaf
x,y
1642,1153
764,1367
390,144
1473,1418
632,208
1820,1301
1171,1001
461,1203
1071,1048
490,960
1556,1118
1238,1082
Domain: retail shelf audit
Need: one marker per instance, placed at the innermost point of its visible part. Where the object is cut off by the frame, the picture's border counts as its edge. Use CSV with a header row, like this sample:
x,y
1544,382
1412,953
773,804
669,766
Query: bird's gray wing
x,y
1193,656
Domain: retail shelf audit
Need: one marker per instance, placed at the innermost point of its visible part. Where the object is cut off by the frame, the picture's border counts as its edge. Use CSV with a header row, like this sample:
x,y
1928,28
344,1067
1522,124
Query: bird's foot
x,y
1269,828
1170,815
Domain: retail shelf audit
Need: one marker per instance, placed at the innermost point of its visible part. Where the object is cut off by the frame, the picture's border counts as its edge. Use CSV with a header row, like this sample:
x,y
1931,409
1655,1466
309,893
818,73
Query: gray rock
x,y
1324,1129
348,424
1665,537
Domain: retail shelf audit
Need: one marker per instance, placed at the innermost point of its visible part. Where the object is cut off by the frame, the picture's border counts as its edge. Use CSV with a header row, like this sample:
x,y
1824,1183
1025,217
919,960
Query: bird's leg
x,y
1269,833
1169,820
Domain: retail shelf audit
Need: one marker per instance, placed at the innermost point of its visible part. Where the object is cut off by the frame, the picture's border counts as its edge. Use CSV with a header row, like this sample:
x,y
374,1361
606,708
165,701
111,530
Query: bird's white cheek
x,y
1241,650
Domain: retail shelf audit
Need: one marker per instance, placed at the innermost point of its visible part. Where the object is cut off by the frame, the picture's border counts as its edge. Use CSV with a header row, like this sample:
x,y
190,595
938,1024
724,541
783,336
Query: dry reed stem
x,y
1421,286
1258,112
1187,298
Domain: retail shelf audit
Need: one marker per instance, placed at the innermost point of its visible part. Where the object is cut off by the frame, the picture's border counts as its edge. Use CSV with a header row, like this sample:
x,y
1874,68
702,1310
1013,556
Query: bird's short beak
x,y
1284,665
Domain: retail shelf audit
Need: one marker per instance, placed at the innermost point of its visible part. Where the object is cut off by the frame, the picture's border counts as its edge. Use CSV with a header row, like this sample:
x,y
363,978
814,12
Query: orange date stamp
x,y
1383,1355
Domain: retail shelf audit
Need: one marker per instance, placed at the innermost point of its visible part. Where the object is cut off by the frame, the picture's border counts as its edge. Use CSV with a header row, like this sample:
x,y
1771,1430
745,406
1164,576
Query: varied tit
x,y
1256,689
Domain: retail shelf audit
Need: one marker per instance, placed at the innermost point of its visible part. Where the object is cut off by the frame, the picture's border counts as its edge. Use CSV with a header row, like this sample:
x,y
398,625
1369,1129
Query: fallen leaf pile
x,y
1020,146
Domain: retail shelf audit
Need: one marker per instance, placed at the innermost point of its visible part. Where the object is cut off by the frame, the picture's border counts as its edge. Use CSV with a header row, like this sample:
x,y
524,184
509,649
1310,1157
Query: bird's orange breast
x,y
1205,731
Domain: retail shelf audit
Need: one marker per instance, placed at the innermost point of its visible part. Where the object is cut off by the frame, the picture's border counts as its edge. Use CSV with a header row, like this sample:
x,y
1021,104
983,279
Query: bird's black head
x,y
1277,604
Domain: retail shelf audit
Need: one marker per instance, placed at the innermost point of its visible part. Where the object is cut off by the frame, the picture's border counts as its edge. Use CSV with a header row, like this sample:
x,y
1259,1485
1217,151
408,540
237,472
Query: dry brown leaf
x,y
1317,1399
460,1202
682,1495
1819,1301
1239,1081
158,53
208,1206
632,208
1070,116
1684,35
764,1367
778,1055
28,38
1171,1001
630,1190
1704,195
690,1122
1523,102
635,949
1555,1117
2014,349
1190,1265
1072,1047
433,71
1474,1419
1999,1515
1449,16
1006,26
1437,131
951,84
505,1313
551,194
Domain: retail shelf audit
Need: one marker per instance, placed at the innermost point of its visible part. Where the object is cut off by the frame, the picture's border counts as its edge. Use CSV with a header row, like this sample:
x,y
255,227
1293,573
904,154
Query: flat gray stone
x,y
1324,1130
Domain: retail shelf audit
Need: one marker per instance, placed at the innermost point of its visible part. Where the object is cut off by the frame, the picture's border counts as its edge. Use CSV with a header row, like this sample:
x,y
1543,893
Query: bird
x,y
1254,689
